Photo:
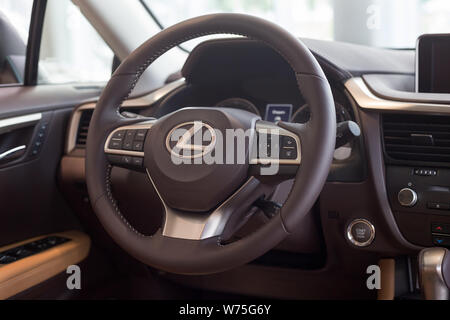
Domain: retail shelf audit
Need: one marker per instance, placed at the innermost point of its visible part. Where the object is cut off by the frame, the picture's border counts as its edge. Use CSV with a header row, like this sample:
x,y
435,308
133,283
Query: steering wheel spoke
x,y
221,222
276,151
124,146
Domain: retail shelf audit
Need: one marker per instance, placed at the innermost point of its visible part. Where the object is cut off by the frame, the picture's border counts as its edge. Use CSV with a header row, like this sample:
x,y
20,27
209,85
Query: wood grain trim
x,y
387,291
28,272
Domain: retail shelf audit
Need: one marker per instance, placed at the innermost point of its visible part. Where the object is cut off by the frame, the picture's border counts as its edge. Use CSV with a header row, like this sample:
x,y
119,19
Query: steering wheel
x,y
206,203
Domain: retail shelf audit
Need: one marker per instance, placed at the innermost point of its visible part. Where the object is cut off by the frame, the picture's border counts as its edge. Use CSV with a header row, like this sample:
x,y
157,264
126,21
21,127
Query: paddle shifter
x,y
434,269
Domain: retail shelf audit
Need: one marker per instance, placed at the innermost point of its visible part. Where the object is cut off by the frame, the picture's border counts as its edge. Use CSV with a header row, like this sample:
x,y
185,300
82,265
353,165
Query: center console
x,y
417,149
417,157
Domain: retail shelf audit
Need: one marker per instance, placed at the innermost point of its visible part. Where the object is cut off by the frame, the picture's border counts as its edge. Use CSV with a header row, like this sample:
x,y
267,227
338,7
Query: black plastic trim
x,y
158,22
30,249
34,42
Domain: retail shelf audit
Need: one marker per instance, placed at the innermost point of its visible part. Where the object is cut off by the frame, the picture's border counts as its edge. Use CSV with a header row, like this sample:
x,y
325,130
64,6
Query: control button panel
x,y
128,140
126,161
39,139
432,207
125,146
425,172
39,136
441,241
361,233
441,228
29,249
438,205
288,148
418,190
269,145
440,233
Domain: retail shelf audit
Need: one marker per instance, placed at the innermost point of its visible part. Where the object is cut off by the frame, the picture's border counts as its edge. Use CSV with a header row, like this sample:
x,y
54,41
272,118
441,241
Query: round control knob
x,y
361,232
407,197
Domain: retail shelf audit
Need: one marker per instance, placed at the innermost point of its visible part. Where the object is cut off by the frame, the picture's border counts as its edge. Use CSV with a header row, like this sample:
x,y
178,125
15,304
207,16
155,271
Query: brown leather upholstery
x,y
318,138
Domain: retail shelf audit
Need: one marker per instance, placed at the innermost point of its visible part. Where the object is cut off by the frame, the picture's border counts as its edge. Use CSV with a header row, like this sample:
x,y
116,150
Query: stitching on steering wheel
x,y
138,75
159,53
114,202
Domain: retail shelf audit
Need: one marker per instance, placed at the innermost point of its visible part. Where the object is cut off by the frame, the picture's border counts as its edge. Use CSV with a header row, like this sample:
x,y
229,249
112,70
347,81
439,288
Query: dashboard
x,y
393,179
369,176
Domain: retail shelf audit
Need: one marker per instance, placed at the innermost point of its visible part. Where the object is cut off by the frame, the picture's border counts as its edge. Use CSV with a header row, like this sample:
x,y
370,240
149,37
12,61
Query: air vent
x,y
83,127
85,120
417,138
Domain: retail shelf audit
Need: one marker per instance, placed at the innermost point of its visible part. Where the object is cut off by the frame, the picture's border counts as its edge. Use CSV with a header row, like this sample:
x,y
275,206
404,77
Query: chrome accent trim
x,y
367,100
181,144
217,221
11,122
160,93
147,125
430,270
198,226
278,131
143,101
11,151
353,240
416,62
408,204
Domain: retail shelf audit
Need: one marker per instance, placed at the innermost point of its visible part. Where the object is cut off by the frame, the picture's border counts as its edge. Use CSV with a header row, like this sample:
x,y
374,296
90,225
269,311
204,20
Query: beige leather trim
x,y
26,273
72,169
387,291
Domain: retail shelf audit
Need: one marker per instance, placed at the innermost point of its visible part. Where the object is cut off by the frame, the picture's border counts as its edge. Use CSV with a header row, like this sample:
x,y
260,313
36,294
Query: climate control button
x,y
407,197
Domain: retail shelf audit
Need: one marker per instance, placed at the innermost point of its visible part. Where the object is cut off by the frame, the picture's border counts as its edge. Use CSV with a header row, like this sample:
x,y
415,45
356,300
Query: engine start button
x,y
361,233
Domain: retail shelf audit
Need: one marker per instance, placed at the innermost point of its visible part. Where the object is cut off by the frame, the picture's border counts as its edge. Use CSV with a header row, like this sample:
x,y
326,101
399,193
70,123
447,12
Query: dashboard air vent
x,y
83,127
85,120
417,138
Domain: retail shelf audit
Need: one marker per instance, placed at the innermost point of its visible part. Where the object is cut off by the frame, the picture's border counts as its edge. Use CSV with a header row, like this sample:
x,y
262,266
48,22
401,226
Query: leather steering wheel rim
x,y
317,136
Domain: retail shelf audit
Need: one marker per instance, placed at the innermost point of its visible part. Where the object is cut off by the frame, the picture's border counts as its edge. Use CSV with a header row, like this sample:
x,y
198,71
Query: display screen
x,y
440,57
279,112
434,64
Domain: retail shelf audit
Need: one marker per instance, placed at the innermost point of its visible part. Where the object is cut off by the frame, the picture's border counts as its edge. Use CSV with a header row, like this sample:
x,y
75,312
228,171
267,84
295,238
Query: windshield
x,y
381,23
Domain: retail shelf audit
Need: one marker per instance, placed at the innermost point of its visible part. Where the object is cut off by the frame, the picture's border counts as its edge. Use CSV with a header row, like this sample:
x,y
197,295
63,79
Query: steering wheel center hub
x,y
191,140
194,156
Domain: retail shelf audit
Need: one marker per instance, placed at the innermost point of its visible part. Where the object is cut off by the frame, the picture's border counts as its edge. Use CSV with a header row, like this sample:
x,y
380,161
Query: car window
x,y
71,49
380,23
15,16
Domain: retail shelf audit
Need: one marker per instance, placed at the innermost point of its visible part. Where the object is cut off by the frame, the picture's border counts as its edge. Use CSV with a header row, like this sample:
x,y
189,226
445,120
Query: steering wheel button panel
x,y
128,162
272,137
125,146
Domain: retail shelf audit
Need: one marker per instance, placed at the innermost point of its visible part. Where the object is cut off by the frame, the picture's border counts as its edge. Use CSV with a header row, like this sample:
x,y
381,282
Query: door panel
x,y
31,202
39,259
34,120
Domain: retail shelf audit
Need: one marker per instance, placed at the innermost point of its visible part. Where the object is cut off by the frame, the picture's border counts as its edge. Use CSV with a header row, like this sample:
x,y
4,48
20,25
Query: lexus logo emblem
x,y
191,140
